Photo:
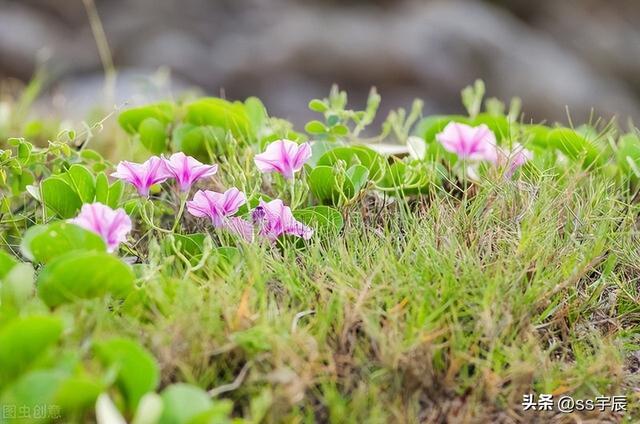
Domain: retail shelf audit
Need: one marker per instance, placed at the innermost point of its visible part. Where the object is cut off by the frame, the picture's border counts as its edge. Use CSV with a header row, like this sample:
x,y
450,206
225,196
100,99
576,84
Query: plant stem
x,y
183,201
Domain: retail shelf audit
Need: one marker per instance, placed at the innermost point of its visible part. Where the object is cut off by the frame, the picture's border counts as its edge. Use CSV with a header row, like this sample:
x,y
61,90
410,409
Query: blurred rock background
x,y
554,54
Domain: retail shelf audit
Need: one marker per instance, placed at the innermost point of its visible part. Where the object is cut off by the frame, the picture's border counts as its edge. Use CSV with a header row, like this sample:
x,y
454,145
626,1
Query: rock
x,y
577,54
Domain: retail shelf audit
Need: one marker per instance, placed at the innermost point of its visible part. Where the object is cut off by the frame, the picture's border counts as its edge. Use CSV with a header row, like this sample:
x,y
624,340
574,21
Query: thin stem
x,y
292,189
183,201
149,221
103,49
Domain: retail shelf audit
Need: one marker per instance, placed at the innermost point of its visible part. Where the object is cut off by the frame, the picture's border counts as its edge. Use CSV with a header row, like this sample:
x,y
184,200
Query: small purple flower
x,y
283,156
187,170
469,143
276,219
515,158
143,175
220,208
112,225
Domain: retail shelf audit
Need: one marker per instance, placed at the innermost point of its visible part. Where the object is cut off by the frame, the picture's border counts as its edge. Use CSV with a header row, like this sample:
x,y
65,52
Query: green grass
x,y
448,307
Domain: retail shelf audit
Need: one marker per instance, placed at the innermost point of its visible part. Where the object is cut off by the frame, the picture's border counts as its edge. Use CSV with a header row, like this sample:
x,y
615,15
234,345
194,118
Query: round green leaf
x,y
23,340
324,186
575,146
220,113
83,275
42,243
315,127
318,106
182,403
428,127
153,135
137,371
32,390
131,119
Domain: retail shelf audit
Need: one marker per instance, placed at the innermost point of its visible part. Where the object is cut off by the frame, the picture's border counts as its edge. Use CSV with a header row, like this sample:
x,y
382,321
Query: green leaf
x,y
575,146
33,391
91,155
137,371
428,127
78,392
356,155
318,149
182,403
358,175
628,154
318,106
7,262
153,135
83,275
59,197
192,140
340,130
257,113
220,113
315,127
115,194
42,243
81,180
324,185
23,340
102,188
131,119
191,243
17,286
498,124
321,218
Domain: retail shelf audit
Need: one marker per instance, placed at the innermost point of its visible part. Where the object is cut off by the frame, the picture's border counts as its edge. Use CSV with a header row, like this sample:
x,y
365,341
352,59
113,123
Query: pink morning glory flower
x,y
219,207
112,225
283,156
275,219
143,175
469,143
515,158
187,170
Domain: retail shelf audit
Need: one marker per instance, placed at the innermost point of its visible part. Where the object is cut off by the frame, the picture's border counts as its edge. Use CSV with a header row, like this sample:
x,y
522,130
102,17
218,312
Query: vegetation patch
x,y
208,263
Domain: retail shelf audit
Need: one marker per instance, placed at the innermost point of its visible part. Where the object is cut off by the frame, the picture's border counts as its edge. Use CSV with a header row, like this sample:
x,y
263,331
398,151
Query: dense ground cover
x,y
493,260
